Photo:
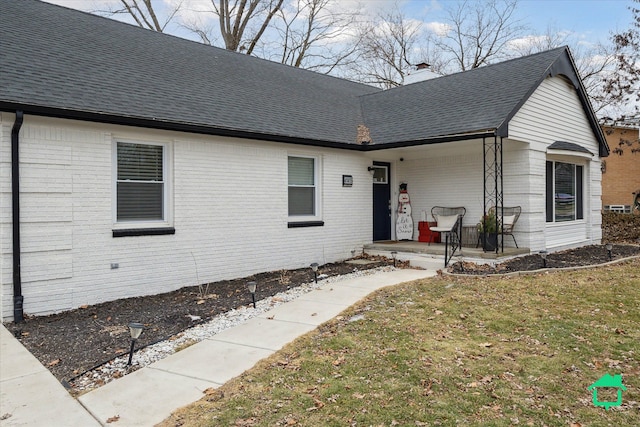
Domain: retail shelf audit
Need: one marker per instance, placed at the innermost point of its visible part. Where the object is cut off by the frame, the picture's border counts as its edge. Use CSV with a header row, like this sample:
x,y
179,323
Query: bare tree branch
x,y
593,61
387,44
313,34
624,84
235,17
479,33
144,14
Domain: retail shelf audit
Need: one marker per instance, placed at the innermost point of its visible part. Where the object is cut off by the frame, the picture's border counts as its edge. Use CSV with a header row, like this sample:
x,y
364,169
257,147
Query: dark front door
x,y
381,202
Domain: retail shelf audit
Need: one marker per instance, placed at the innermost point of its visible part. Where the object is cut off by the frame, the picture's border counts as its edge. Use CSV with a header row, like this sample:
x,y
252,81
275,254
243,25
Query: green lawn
x,y
449,351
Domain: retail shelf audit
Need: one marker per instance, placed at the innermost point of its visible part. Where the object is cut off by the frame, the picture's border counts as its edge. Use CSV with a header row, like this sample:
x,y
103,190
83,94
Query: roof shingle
x,y
67,63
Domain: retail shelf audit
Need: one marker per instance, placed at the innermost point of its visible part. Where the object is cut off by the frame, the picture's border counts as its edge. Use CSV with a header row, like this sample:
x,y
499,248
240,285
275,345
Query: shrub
x,y
620,228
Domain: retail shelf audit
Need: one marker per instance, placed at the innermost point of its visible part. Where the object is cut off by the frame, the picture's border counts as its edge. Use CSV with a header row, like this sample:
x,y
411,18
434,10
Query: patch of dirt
x,y
587,255
73,342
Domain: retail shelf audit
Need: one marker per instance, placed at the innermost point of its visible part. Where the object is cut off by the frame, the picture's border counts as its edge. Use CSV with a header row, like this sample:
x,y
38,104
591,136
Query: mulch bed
x,y
73,342
584,256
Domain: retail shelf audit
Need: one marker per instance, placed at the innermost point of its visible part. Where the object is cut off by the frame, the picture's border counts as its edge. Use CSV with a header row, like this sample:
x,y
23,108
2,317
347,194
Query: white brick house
x,y
136,167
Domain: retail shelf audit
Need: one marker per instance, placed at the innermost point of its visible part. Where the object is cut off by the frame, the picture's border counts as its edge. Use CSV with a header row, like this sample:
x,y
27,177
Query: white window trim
x,y
575,161
167,173
317,170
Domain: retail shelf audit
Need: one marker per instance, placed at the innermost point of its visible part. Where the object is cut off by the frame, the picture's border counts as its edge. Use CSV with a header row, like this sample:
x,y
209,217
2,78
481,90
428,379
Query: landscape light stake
x,y
314,267
135,329
394,254
543,254
609,249
252,289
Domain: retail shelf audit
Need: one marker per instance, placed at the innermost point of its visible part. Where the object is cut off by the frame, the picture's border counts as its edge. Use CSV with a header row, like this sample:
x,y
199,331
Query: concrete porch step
x,y
431,257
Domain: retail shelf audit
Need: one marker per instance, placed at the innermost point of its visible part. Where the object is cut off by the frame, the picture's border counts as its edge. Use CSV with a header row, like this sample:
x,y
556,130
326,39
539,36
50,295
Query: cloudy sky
x,y
588,20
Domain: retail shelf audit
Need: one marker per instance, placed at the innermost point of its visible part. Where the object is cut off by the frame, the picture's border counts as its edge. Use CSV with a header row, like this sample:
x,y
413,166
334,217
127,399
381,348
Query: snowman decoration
x,y
404,221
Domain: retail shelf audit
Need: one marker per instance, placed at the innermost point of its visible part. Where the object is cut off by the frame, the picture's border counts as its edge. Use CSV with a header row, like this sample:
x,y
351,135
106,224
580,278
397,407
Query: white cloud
x,y
431,7
523,43
440,29
86,5
195,12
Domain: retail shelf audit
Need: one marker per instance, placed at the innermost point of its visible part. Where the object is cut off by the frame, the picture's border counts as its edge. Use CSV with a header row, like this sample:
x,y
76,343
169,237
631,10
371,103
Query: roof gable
x,y
481,100
472,101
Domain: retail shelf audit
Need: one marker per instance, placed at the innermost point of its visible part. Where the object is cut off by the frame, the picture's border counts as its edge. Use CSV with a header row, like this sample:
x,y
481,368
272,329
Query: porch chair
x,y
448,220
508,216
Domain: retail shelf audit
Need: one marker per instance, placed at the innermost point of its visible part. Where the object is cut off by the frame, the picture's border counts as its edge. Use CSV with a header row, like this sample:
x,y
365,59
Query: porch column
x,y
492,185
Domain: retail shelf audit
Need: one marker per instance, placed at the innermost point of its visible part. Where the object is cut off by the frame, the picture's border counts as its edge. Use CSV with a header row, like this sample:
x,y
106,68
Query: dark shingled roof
x,y
69,60
568,146
61,62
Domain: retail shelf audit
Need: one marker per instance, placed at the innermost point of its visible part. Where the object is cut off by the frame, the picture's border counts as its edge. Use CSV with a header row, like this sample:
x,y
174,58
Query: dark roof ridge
x,y
472,70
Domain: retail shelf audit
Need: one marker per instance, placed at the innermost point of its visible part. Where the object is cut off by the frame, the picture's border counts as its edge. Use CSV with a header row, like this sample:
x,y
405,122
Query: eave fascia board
x,y
434,140
173,126
233,133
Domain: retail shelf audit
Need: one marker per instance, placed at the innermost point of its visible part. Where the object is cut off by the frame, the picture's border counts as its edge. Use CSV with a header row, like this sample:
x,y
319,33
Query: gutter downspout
x,y
18,298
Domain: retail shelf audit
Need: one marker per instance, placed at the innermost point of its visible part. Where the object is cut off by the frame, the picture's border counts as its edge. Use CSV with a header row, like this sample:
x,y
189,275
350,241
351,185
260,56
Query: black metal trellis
x,y
452,241
492,184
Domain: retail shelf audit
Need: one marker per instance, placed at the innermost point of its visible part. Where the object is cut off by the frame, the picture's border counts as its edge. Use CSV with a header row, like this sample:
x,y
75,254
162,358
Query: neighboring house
x,y
143,157
621,170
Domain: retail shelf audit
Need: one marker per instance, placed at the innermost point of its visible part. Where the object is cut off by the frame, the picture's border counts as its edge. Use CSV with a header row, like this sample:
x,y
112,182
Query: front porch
x,y
418,251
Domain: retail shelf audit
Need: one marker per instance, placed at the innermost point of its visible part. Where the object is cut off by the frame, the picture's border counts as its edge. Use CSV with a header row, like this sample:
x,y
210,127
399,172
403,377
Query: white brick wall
x,y
442,178
230,202
230,214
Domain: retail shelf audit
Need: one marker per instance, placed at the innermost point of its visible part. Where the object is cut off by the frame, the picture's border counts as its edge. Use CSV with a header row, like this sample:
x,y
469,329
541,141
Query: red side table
x,y
427,235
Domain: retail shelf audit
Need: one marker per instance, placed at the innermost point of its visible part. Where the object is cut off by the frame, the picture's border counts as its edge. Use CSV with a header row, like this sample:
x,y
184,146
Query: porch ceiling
x,y
427,151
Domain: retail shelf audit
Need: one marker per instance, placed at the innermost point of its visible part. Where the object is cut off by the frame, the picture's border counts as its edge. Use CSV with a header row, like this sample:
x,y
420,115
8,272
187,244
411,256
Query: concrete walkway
x,y
32,396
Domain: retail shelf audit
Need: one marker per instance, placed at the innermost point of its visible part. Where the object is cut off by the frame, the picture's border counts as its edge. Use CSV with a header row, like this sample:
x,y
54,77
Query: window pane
x,y
140,186
140,201
302,200
565,194
301,171
549,189
139,162
380,175
579,193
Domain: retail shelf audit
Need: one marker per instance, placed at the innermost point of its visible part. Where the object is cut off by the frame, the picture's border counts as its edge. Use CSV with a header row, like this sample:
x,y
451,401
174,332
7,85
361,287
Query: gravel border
x,y
117,367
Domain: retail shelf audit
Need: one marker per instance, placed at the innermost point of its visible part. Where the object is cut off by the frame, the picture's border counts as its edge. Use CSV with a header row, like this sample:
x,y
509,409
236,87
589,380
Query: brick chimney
x,y
364,136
